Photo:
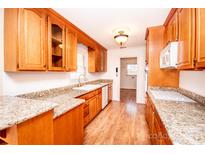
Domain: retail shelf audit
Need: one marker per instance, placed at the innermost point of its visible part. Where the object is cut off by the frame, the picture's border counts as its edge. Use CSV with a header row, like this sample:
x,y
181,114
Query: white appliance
x,y
168,56
104,96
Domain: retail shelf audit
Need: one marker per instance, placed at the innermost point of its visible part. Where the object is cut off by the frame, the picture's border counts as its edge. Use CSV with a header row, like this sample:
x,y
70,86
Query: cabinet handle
x,y
44,65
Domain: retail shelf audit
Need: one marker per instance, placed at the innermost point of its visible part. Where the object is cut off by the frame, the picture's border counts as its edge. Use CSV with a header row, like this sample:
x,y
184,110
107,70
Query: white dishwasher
x,y
104,96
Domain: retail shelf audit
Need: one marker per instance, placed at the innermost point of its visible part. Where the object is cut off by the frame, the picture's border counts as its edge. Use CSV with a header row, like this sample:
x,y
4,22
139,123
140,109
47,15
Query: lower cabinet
x,y
92,105
35,131
158,133
110,93
69,128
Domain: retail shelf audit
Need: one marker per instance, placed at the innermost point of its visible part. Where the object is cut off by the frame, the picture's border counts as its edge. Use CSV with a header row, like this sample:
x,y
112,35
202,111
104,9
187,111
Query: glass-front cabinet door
x,y
56,45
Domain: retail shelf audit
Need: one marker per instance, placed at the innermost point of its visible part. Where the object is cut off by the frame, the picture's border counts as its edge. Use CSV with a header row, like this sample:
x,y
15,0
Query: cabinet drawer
x,y
86,120
86,104
91,94
99,91
86,111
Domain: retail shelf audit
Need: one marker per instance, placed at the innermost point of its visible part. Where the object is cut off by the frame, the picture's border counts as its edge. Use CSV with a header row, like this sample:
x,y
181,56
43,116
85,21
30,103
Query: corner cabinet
x,y
24,38
200,37
56,44
186,52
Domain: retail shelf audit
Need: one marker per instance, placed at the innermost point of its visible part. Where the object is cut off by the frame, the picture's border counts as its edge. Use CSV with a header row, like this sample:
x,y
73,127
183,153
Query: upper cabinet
x,y
42,40
185,25
147,51
200,37
24,38
56,44
71,50
97,59
171,30
186,52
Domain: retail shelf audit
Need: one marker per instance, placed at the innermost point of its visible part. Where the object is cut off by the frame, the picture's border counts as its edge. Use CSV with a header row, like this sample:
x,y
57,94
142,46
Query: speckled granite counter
x,y
184,118
65,97
14,110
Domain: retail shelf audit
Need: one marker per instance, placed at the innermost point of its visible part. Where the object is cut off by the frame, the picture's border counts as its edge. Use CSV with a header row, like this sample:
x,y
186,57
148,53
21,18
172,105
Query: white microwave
x,y
168,56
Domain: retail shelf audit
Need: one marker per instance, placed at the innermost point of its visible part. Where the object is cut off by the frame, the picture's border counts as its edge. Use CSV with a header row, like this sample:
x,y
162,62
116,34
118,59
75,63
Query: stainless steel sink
x,y
88,87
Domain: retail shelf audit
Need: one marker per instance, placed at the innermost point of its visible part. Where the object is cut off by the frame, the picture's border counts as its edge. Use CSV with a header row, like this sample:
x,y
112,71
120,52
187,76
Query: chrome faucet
x,y
79,78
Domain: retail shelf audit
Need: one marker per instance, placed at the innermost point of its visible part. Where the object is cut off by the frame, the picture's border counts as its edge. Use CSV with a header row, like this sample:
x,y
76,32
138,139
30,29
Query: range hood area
x,y
168,56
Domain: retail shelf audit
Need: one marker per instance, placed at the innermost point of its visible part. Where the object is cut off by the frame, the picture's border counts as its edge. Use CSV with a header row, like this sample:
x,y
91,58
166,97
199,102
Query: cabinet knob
x,y
44,65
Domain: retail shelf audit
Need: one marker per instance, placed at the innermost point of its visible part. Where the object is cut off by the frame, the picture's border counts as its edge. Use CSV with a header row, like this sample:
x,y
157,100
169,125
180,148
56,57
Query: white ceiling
x,y
99,23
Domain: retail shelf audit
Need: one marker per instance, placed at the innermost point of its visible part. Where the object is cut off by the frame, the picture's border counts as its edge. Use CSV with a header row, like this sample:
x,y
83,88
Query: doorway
x,y
128,79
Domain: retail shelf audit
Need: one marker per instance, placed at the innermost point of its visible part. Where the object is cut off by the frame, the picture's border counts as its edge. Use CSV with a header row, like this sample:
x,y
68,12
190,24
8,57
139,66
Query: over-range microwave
x,y
168,56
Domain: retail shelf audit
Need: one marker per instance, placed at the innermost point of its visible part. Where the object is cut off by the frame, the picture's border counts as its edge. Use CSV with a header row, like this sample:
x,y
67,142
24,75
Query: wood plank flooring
x,y
119,123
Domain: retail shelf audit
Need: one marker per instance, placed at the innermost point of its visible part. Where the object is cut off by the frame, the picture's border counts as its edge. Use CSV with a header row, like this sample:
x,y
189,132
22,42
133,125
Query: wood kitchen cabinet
x,y
147,51
171,29
158,133
56,44
71,50
200,38
35,131
186,52
69,128
92,105
103,60
99,102
24,40
110,93
41,40
97,59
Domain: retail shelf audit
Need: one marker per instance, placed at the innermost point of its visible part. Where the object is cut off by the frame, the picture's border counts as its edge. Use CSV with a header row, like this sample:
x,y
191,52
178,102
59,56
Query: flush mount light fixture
x,y
121,36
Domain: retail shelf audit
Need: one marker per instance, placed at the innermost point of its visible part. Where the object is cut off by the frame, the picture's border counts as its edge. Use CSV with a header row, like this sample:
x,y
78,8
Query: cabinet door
x,y
200,37
147,50
98,59
56,44
32,40
109,93
105,61
71,51
186,50
99,103
174,28
92,107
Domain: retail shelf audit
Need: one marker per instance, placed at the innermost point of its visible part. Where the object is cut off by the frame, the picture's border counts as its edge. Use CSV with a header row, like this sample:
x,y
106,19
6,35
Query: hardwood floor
x,y
128,95
119,123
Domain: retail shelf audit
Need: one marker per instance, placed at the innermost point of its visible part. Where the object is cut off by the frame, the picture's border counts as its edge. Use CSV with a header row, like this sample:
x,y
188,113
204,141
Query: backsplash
x,y
57,91
193,81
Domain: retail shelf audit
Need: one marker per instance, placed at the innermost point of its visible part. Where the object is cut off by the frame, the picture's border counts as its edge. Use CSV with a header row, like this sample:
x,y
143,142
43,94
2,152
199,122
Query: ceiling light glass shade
x,y
121,38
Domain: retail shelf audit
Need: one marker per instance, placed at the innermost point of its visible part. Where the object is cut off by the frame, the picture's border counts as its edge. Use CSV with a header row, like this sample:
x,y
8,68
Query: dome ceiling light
x,y
121,36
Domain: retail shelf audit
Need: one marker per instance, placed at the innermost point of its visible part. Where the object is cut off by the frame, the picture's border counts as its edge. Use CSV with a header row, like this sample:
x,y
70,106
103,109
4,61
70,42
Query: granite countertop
x,y
14,110
65,97
183,118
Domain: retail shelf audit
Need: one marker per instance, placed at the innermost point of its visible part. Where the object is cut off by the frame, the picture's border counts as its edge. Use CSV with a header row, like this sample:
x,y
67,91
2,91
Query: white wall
x,y
24,82
193,81
114,56
127,81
